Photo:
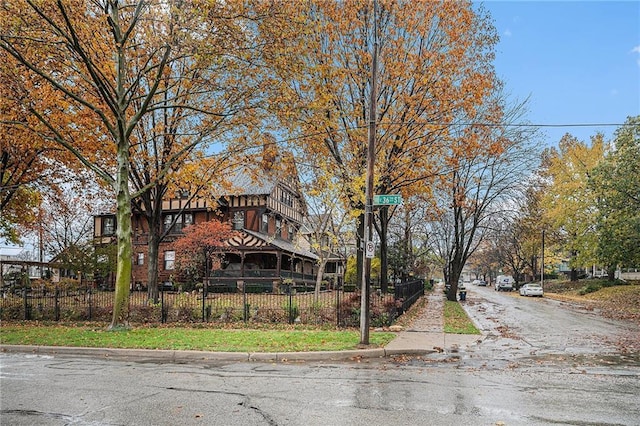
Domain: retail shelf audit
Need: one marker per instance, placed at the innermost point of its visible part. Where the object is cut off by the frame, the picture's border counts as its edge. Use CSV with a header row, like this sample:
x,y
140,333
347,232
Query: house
x,y
266,210
333,246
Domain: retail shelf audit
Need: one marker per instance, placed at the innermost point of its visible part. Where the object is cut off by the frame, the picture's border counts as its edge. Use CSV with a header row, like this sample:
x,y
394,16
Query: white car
x,y
533,289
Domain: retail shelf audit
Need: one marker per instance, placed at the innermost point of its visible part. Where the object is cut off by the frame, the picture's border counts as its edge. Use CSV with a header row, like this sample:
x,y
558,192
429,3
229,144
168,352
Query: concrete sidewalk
x,y
426,333
423,336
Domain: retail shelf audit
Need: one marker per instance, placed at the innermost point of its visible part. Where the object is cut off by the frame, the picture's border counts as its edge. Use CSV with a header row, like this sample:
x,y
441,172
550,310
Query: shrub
x,y
590,288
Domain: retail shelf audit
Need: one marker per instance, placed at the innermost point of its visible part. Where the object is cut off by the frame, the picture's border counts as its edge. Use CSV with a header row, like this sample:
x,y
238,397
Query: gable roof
x,y
246,181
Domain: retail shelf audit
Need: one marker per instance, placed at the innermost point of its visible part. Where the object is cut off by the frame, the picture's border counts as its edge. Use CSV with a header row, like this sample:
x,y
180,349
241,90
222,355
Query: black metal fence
x,y
338,307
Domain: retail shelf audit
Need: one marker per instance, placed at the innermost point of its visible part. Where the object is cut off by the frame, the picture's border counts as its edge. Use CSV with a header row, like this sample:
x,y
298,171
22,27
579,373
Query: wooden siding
x,y
291,210
195,204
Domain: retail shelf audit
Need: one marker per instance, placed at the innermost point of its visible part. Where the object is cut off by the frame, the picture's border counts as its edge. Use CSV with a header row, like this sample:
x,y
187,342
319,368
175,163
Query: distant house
x,y
334,246
265,209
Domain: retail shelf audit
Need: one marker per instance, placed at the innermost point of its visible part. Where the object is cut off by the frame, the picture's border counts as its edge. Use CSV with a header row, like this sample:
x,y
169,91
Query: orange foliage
x,y
434,69
201,241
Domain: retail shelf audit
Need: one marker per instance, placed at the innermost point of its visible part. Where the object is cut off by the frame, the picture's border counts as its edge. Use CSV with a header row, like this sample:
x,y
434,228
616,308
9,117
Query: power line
x,y
444,125
465,124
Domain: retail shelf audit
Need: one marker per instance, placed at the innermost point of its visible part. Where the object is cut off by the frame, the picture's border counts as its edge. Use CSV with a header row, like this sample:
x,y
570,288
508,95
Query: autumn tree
x,y
198,248
409,250
516,236
615,183
207,99
435,61
570,204
487,166
65,225
327,225
108,65
30,165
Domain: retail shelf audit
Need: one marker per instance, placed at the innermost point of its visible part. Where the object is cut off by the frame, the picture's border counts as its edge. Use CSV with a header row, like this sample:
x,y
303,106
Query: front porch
x,y
266,268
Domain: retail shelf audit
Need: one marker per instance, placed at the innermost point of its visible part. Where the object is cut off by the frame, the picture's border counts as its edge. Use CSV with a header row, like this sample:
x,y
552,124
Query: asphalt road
x,y
541,363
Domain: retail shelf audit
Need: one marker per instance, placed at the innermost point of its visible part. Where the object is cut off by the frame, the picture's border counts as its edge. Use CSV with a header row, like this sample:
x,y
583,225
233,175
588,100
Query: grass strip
x,y
202,339
456,320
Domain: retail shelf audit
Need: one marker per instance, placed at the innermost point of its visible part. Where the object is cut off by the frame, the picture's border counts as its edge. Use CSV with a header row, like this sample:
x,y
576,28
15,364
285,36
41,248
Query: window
x,y
108,225
169,260
187,219
286,198
278,228
168,219
265,223
182,221
238,221
291,231
140,259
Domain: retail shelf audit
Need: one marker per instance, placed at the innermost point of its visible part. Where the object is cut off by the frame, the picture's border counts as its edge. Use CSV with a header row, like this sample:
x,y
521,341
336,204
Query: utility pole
x,y
368,209
542,262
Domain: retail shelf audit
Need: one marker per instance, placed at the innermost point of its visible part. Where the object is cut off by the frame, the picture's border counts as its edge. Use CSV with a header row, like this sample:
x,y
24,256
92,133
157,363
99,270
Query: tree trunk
x,y
124,246
152,265
574,274
455,270
321,266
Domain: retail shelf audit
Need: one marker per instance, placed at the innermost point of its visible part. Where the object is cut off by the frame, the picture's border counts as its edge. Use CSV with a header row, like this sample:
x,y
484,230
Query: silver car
x,y
533,289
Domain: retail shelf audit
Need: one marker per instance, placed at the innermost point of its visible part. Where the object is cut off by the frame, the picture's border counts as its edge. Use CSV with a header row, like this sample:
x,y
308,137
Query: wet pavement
x,y
539,362
539,334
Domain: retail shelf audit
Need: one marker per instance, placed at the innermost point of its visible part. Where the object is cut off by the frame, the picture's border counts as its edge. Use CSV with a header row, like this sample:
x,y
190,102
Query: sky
x,y
577,61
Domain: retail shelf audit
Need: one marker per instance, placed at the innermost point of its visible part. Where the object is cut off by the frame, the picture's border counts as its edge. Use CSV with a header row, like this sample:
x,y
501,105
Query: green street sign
x,y
387,200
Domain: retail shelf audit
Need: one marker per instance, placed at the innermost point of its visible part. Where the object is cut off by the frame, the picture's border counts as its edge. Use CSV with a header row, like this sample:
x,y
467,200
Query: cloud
x,y
507,32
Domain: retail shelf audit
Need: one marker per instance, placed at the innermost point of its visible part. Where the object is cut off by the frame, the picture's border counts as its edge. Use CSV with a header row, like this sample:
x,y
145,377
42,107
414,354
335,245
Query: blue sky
x,y
578,61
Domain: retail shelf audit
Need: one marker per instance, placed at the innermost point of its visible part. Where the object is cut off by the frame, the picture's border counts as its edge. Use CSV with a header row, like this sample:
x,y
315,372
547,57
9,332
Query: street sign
x,y
370,249
387,200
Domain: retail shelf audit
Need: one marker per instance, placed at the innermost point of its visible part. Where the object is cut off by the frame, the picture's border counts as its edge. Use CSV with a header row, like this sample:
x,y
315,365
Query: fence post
x,y
89,296
25,303
245,314
291,305
204,299
57,303
338,307
163,313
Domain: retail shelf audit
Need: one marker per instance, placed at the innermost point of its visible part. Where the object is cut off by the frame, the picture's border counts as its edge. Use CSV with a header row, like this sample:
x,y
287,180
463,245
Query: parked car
x,y
504,283
532,289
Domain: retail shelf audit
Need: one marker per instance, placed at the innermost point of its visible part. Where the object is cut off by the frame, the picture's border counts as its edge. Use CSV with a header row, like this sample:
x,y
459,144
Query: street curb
x,y
183,357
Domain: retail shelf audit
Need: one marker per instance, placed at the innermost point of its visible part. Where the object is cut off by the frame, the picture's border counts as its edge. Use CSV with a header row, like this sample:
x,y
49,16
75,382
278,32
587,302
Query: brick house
x,y
265,209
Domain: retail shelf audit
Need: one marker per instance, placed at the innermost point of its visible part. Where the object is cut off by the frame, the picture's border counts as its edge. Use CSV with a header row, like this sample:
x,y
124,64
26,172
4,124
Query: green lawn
x,y
203,339
456,320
